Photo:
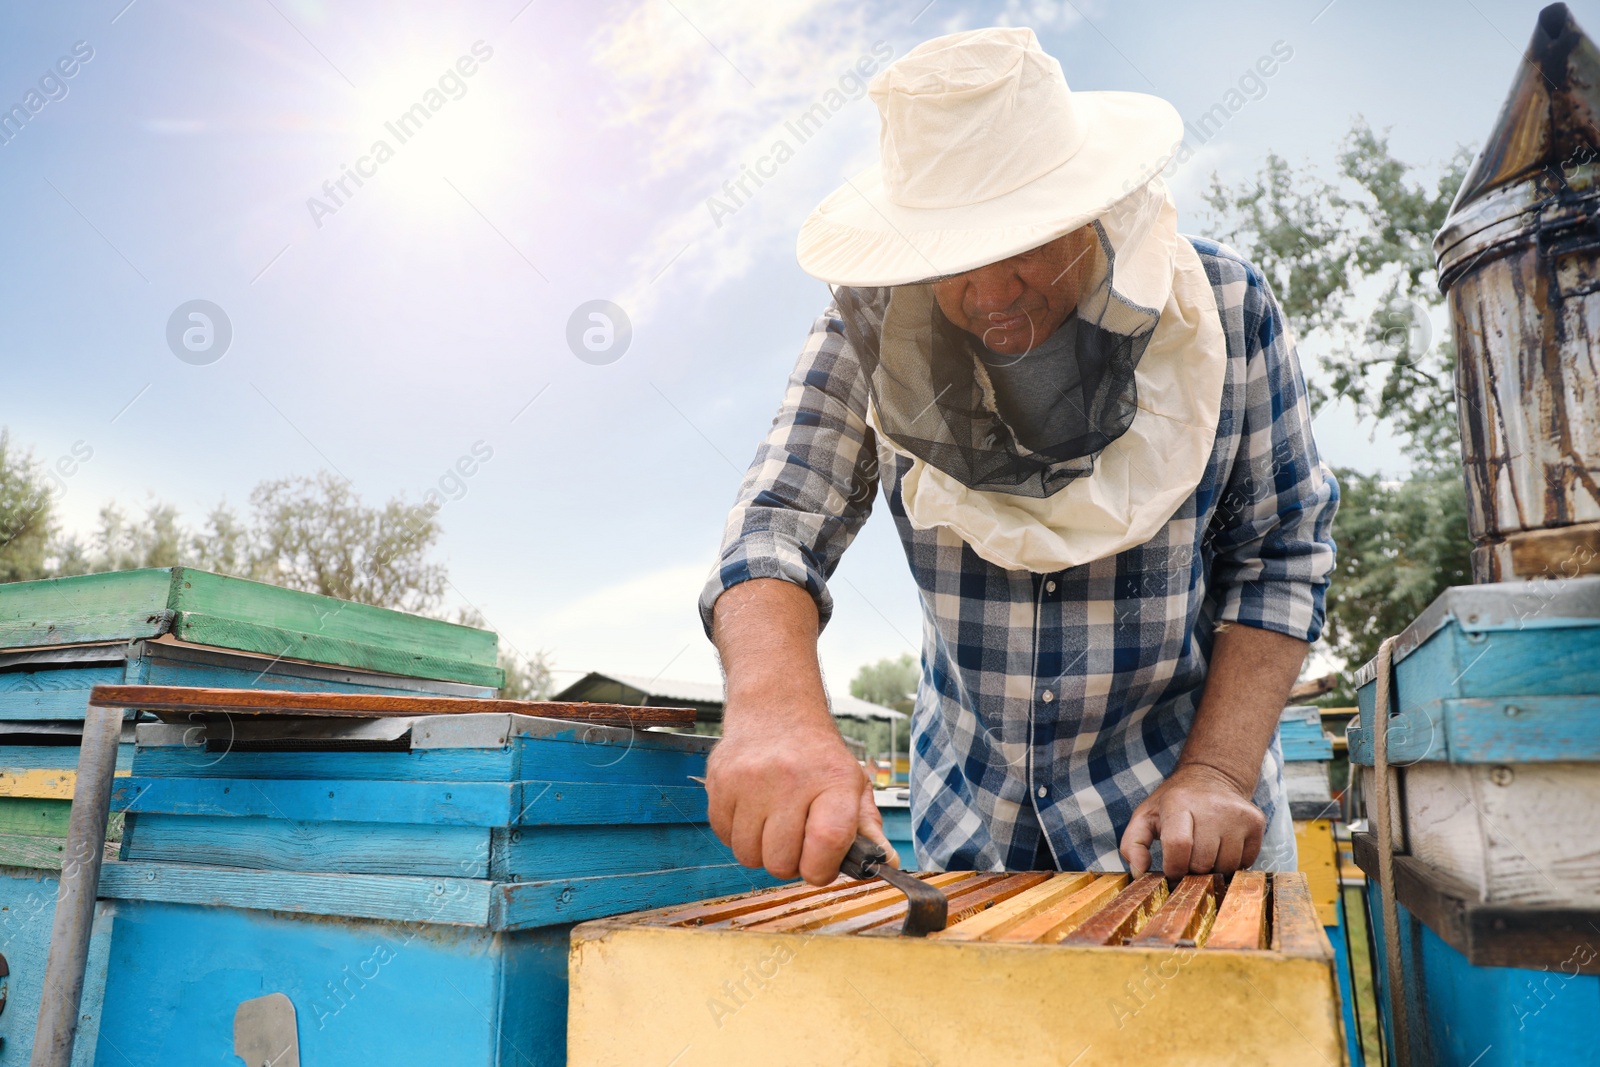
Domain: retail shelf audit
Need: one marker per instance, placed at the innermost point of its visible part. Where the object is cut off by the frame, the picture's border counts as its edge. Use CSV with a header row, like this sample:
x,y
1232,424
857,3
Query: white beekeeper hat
x,y
984,153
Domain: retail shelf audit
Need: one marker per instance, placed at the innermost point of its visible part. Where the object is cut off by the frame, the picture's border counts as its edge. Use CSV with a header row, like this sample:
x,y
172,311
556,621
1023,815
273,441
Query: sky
x,y
399,314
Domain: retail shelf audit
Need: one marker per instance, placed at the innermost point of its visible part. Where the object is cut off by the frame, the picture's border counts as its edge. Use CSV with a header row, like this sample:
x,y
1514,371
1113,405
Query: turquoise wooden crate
x,y
1508,672
476,840
1460,1015
44,694
53,684
363,992
27,910
219,611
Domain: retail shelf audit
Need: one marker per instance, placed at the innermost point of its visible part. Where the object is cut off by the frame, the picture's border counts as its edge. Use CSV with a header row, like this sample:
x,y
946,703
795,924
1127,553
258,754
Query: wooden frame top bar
x,y
1253,912
177,698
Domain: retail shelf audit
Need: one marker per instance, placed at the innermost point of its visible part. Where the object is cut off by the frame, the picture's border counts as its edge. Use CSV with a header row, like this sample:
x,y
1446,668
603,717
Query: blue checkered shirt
x,y
1055,703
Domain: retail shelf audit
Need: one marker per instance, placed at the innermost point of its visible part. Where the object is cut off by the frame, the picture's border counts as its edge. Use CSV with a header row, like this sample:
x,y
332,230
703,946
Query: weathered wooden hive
x,y
403,887
1034,969
178,626
1493,716
1519,257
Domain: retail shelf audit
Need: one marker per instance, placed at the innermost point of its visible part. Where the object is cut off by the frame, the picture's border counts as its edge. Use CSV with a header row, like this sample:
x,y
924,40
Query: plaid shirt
x,y
1057,702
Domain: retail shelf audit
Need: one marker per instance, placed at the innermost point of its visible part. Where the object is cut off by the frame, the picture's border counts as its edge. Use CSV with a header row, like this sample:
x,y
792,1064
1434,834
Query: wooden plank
x,y
1318,860
31,815
454,765
200,595
1057,921
1296,930
445,803
1186,916
1242,919
320,648
362,896
1125,916
722,910
286,845
959,897
54,757
69,705
523,905
42,784
824,911
86,608
799,903
437,803
1536,937
540,853
1528,729
28,850
994,921
370,705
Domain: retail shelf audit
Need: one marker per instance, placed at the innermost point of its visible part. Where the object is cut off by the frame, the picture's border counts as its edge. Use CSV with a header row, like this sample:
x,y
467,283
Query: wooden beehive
x,y
164,626
1034,968
406,883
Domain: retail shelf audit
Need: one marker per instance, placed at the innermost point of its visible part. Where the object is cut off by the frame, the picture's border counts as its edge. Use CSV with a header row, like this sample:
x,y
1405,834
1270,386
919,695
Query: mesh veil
x,y
941,395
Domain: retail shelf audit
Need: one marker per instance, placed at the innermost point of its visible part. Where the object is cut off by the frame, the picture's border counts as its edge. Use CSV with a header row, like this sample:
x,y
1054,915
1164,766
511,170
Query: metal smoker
x,y
1519,259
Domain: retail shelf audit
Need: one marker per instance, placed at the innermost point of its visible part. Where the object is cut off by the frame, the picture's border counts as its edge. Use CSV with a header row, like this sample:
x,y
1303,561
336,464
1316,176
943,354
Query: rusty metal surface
x,y
1519,257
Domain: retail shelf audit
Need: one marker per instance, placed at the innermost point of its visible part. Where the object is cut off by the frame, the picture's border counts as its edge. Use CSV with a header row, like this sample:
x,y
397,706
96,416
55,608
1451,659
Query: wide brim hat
x,y
984,152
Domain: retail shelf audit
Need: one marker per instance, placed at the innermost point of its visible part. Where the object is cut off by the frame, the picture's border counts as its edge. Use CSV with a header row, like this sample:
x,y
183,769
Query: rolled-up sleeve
x,y
810,487
1272,536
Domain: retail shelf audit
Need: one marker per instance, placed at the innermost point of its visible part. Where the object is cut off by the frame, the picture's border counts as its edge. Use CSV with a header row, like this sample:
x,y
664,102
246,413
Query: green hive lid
x,y
212,609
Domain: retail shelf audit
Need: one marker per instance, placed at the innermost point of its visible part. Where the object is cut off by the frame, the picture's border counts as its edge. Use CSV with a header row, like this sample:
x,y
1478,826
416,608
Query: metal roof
x,y
637,689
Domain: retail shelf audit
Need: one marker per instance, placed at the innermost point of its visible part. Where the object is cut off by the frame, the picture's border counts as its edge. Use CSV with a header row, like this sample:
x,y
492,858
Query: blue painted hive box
x,y
407,884
1494,745
166,626
1495,739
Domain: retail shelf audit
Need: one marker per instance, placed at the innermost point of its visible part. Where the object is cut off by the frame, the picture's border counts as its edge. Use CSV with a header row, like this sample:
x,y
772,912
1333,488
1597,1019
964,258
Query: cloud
x,y
641,625
713,86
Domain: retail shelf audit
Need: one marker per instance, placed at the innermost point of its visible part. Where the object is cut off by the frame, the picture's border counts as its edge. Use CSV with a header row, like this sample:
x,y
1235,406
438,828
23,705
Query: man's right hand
x,y
791,799
783,790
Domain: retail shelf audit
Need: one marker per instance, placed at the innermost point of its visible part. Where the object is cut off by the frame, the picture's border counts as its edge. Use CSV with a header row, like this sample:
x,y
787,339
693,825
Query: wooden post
x,y
80,883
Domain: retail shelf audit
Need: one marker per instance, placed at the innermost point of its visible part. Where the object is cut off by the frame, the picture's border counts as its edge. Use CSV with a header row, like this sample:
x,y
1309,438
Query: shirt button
x,y
1050,587
1048,696
1044,790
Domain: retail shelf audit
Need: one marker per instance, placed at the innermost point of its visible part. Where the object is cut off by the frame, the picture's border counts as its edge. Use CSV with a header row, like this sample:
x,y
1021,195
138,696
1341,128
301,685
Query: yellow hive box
x,y
1319,862
1039,968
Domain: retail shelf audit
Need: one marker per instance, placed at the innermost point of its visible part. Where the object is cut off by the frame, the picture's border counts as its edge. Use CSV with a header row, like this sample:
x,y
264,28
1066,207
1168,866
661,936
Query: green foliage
x,y
1351,262
1326,247
315,534
26,514
1400,545
890,682
527,677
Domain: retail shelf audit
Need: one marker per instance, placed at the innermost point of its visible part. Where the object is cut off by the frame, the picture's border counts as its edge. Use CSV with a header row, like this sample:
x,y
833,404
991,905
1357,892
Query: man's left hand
x,y
1206,824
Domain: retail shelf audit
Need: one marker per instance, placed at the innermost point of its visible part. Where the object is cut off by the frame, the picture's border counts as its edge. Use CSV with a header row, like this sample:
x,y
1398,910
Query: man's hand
x,y
791,800
783,790
1205,823
1202,813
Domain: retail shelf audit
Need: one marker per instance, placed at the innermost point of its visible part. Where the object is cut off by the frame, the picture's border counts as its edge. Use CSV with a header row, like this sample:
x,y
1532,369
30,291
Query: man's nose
x,y
992,289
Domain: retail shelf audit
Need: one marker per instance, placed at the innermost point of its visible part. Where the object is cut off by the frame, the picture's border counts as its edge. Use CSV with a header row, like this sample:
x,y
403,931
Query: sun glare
x,y
418,123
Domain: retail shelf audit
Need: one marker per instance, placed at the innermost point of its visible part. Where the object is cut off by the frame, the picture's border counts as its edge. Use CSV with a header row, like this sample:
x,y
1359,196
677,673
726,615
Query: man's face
x,y
1013,305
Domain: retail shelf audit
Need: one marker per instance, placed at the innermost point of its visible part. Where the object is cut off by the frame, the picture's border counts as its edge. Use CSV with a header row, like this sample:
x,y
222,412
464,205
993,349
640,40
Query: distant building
x,y
704,697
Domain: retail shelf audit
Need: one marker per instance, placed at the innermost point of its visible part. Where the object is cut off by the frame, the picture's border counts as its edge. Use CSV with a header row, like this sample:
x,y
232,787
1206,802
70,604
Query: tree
x,y
1324,244
1326,247
26,514
890,682
315,534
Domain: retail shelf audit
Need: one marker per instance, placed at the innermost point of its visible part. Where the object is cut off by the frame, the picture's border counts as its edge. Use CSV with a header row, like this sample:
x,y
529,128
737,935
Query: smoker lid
x,y
1545,143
